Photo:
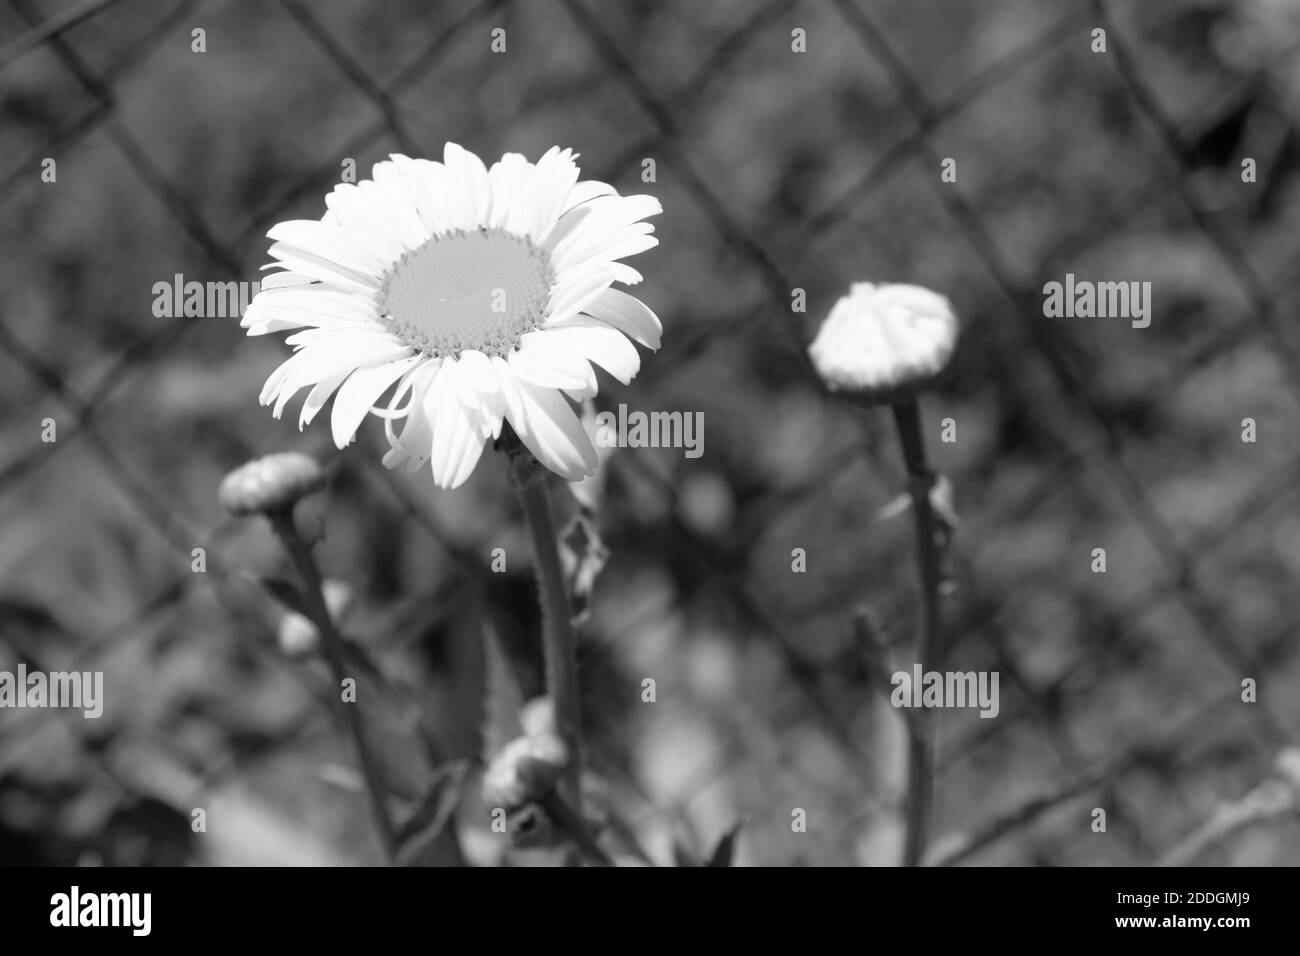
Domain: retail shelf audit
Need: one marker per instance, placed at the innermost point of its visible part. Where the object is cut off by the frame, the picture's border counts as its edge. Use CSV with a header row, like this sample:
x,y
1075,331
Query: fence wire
x,y
1089,449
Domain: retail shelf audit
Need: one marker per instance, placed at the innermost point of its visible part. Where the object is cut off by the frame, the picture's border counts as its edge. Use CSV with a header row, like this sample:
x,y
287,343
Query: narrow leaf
x,y
421,837
725,851
503,699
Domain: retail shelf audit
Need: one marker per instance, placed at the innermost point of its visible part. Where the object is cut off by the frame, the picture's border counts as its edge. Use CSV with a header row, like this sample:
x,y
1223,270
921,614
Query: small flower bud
x,y
537,717
297,635
884,344
271,483
525,771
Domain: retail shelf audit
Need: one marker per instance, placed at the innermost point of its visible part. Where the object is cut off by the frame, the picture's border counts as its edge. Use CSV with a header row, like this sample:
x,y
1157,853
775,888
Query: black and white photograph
x,y
580,434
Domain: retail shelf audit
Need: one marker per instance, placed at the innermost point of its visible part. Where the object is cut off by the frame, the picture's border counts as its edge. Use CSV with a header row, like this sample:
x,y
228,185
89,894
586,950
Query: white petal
x,y
293,283
359,393
614,212
267,327
284,280
555,177
567,225
318,396
548,427
281,305
328,242
458,433
599,343
409,384
343,338
404,215
467,184
628,243
425,184
319,297
365,215
629,315
580,394
311,365
262,321
588,190
267,318
475,382
519,216
508,388
609,219
412,446
508,179
544,361
324,270
267,310
624,273
575,290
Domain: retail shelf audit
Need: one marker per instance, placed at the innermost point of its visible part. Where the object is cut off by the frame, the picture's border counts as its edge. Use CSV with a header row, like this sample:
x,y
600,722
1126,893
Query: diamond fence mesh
x,y
783,175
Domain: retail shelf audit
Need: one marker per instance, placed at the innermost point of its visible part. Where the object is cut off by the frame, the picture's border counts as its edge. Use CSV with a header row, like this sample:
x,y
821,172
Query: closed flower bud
x,y
537,717
271,483
298,636
884,344
525,771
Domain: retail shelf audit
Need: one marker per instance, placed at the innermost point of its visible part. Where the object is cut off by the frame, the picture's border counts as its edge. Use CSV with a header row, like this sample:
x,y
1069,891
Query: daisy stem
x,y
333,647
923,727
558,642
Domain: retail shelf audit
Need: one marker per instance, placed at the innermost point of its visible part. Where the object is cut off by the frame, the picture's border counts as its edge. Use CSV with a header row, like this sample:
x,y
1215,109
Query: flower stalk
x,y
559,646
333,647
923,725
886,344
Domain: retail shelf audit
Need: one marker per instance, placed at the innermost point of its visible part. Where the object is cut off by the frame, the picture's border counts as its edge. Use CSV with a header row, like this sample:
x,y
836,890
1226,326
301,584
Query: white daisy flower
x,y
479,296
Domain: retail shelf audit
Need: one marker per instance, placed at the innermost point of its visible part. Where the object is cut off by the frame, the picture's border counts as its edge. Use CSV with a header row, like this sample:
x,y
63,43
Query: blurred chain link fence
x,y
1093,437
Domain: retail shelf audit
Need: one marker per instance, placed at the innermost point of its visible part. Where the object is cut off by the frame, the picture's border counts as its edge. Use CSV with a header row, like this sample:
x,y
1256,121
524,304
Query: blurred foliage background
x,y
777,170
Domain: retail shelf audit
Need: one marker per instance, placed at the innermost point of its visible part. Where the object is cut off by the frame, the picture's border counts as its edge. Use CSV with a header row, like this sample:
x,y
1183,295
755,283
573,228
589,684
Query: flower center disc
x,y
467,290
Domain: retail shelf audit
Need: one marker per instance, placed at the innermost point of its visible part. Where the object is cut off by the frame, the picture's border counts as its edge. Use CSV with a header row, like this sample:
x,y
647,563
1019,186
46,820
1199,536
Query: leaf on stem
x,y
503,699
418,838
583,555
724,853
